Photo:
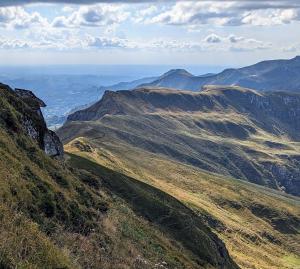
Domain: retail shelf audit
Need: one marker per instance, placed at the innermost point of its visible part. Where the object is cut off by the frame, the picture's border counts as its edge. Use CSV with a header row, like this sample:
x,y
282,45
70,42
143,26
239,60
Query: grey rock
x,y
36,128
52,145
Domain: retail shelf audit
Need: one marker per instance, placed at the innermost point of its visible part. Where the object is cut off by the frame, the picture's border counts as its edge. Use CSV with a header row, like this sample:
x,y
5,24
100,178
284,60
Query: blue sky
x,y
227,33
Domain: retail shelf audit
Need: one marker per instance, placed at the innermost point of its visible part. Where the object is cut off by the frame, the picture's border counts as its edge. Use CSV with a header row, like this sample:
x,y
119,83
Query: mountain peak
x,y
262,76
177,72
296,58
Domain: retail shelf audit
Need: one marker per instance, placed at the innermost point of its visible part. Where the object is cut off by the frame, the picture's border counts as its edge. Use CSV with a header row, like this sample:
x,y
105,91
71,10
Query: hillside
x,y
56,214
191,145
227,130
273,75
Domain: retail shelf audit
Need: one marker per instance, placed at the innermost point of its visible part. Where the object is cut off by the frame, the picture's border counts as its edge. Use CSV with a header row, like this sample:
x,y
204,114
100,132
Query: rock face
x,y
52,145
28,108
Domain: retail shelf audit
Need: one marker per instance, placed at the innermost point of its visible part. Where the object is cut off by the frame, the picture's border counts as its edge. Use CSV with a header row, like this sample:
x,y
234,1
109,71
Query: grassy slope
x,y
165,147
259,226
56,216
219,130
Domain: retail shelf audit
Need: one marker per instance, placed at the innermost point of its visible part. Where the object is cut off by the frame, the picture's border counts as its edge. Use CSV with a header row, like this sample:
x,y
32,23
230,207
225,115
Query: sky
x,y
216,33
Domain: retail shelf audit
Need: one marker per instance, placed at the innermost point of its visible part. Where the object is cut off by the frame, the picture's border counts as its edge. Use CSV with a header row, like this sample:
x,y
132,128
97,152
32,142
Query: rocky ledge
x,y
36,128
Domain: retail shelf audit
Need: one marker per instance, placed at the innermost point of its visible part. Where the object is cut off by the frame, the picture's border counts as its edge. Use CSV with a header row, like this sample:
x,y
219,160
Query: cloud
x,y
235,39
68,41
108,43
292,48
91,16
18,18
67,9
212,38
233,43
13,44
80,2
228,13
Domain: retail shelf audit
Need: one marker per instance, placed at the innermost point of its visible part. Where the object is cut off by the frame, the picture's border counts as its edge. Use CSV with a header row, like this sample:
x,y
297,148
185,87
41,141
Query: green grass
x,y
225,204
207,158
226,130
56,216
163,210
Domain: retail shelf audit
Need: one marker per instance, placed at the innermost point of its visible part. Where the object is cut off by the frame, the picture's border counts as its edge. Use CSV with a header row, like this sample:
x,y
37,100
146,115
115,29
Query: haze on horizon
x,y
213,33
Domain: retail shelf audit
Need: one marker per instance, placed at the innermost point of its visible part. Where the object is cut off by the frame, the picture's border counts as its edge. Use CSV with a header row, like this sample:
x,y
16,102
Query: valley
x,y
149,134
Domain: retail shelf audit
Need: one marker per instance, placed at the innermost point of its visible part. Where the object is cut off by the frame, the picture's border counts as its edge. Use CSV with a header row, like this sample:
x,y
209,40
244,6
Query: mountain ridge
x,y
262,76
236,115
196,146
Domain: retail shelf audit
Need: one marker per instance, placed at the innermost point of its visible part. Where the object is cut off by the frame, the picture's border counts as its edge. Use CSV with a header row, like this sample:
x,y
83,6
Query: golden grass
x,y
244,233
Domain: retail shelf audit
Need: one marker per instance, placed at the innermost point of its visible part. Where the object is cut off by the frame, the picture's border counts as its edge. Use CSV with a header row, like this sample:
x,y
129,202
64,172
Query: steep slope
x,y
53,215
275,75
172,140
228,130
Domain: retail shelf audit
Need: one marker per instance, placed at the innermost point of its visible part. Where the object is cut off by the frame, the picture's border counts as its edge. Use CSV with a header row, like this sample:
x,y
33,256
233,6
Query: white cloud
x,y
292,48
67,9
213,38
18,18
91,16
108,43
67,40
235,39
233,43
13,44
227,13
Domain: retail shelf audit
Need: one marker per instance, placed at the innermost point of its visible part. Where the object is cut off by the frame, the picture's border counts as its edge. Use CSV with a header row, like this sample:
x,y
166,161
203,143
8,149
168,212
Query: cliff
x,y
21,113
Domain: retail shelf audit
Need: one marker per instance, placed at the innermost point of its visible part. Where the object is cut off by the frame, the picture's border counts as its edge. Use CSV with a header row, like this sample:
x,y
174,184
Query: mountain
x,y
274,75
75,213
62,92
207,149
228,130
127,85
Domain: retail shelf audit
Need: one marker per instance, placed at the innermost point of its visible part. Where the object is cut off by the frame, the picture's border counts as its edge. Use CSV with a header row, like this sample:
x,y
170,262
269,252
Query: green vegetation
x,y
205,153
231,131
163,210
53,215
259,226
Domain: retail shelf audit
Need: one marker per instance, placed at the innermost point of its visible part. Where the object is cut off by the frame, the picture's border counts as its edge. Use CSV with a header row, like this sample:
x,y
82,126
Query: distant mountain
x,y
228,130
274,75
61,92
127,85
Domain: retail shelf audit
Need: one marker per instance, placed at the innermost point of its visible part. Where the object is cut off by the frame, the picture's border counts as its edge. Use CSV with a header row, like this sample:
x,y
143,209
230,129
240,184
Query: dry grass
x,y
250,239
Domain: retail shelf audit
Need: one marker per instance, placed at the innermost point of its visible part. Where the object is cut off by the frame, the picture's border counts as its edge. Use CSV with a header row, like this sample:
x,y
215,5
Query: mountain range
x,y
273,75
177,171
227,130
207,149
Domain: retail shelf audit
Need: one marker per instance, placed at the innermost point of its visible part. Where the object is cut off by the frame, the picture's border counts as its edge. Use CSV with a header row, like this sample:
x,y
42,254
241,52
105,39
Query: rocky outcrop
x,y
29,119
38,130
52,145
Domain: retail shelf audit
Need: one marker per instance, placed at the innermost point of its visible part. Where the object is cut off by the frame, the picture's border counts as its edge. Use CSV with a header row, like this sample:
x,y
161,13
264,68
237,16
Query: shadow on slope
x,y
165,211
